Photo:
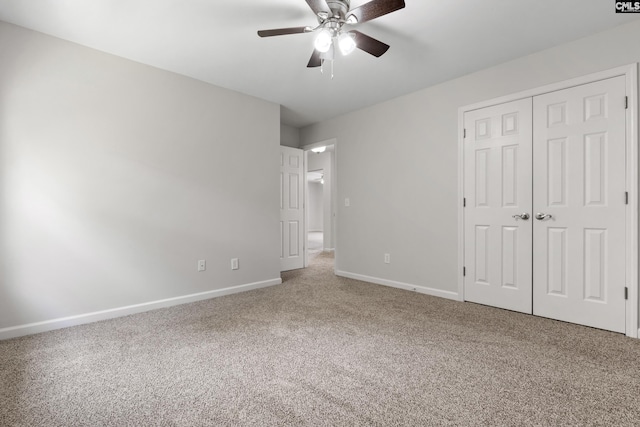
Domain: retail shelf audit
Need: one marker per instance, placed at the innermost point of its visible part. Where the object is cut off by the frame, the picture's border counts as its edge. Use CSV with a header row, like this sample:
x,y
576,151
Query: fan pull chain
x,y
322,67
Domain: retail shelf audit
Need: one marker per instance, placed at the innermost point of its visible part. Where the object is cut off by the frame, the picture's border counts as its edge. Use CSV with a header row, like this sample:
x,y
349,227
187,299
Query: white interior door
x,y
291,208
497,153
579,182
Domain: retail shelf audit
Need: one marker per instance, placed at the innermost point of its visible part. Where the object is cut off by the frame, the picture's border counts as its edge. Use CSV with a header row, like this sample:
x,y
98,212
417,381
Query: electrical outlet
x,y
202,265
235,264
387,258
347,202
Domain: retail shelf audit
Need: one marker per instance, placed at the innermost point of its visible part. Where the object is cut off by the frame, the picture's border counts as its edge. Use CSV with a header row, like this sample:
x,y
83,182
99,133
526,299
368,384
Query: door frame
x,y
630,72
334,197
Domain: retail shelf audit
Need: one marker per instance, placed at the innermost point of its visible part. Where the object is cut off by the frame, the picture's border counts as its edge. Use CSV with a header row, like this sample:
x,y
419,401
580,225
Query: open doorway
x,y
315,213
320,205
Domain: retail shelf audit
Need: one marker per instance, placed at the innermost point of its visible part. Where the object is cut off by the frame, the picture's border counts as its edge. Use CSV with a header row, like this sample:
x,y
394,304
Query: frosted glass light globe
x,y
347,43
323,41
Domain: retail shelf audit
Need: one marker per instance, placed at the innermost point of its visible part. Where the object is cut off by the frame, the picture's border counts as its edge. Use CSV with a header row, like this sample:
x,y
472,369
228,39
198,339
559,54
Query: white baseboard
x,y
65,322
400,285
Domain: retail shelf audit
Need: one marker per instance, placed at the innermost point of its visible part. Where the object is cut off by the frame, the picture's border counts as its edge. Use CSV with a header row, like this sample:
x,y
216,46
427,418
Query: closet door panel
x,y
579,202
497,151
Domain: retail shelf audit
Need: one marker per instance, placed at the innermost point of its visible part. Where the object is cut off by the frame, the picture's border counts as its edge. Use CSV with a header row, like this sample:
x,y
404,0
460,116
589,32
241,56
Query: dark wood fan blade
x,y
315,60
284,31
319,6
369,44
375,9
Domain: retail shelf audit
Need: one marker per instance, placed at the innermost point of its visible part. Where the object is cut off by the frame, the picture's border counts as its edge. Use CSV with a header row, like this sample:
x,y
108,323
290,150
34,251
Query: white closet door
x,y
579,182
497,153
291,209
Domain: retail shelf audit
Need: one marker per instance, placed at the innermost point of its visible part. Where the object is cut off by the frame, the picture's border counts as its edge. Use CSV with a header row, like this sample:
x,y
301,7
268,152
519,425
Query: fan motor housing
x,y
339,8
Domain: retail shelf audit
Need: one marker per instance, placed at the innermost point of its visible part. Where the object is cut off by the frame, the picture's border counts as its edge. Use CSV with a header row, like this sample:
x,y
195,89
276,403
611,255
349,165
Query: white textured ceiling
x,y
215,41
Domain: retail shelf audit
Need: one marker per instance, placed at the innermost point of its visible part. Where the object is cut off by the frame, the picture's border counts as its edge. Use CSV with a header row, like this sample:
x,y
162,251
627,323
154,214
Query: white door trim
x,y
631,77
305,156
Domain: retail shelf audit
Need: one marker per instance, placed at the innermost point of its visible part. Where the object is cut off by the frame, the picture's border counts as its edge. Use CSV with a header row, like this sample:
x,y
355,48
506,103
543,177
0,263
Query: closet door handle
x,y
543,216
525,216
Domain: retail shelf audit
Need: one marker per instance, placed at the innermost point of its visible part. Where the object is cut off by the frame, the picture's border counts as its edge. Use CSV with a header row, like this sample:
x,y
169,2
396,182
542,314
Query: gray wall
x,y
115,178
289,136
315,206
397,161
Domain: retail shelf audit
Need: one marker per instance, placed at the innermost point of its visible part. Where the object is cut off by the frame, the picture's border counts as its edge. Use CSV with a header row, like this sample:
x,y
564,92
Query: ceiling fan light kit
x,y
347,43
323,41
333,16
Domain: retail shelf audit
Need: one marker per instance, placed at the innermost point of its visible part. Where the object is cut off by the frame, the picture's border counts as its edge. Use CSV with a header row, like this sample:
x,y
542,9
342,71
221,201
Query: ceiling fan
x,y
333,16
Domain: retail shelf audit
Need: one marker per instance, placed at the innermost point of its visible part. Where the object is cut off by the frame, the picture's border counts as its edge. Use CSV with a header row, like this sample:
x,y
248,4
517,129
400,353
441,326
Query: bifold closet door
x,y
498,247
579,202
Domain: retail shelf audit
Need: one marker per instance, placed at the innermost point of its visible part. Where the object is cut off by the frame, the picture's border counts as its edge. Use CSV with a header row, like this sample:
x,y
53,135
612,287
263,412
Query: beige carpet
x,y
320,350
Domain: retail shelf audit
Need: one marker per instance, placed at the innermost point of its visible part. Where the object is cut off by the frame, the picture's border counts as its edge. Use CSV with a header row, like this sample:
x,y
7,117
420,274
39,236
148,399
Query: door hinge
x,y
626,102
626,293
464,133
626,197
464,202
464,271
